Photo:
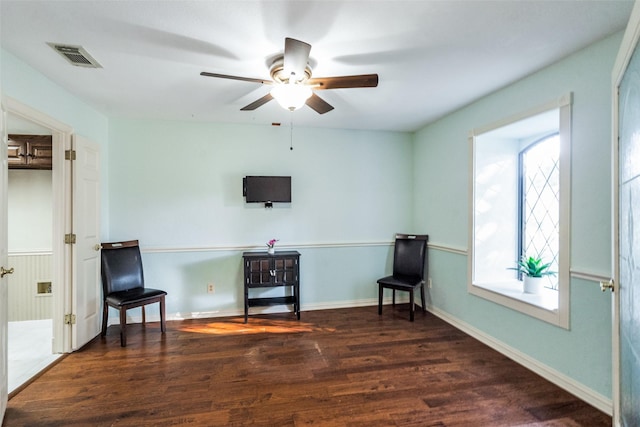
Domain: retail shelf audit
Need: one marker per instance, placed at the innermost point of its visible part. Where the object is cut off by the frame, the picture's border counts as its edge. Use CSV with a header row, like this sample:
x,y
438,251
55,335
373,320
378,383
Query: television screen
x,y
258,189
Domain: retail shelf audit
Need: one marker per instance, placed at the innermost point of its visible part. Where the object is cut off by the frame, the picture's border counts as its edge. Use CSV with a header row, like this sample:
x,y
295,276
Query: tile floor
x,y
29,350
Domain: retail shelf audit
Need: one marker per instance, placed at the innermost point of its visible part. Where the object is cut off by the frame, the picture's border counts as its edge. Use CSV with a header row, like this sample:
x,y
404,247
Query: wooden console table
x,y
262,270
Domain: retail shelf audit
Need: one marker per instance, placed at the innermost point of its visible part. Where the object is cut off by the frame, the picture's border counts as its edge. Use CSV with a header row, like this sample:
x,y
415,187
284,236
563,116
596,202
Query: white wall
x,y
25,300
30,221
30,210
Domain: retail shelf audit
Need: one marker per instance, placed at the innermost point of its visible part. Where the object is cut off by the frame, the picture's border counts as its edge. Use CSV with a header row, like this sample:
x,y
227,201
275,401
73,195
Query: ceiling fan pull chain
x,y
291,131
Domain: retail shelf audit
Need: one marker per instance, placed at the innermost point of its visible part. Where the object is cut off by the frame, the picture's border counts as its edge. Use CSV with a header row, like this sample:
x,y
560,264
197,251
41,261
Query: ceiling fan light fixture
x,y
291,96
292,82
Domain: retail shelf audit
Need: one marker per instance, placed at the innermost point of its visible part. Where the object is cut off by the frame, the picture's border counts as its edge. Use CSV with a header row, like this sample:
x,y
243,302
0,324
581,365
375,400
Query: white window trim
x,y
496,292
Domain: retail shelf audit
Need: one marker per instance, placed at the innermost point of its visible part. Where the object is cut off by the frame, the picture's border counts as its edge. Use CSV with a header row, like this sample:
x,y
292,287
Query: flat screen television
x,y
267,189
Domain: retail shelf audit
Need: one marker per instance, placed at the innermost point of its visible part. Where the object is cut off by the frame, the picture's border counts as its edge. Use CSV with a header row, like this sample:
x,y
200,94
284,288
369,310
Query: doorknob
x,y
4,272
97,247
607,285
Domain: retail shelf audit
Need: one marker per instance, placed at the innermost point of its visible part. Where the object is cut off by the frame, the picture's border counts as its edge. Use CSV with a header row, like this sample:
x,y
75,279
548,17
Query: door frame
x,y
627,47
4,291
61,204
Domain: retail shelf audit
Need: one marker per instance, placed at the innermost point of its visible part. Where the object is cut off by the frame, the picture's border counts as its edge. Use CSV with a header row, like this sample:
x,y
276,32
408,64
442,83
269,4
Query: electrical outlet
x,y
211,289
430,285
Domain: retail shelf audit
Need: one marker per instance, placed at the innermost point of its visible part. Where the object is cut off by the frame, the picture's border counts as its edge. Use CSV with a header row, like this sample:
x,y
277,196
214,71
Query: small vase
x,y
271,250
532,285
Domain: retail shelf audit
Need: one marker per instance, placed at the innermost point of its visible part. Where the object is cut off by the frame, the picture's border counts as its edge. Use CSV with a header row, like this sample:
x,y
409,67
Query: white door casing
x,y
3,263
86,302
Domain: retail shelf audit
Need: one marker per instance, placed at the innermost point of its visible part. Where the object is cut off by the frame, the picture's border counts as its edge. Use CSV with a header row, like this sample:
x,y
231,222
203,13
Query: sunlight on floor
x,y
254,326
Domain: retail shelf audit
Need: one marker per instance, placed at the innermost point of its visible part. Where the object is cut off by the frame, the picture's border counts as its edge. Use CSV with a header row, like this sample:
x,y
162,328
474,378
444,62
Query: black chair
x,y
409,264
123,285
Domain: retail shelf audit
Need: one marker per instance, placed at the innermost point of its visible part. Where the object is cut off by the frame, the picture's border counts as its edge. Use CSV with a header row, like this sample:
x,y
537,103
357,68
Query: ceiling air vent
x,y
76,55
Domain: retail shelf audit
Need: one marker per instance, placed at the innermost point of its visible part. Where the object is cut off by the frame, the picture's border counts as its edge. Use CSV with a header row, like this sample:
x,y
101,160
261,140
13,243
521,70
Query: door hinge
x,y
70,238
69,319
70,155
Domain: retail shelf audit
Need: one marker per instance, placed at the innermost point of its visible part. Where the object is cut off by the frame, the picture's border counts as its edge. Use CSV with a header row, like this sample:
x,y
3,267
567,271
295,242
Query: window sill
x,y
546,299
543,306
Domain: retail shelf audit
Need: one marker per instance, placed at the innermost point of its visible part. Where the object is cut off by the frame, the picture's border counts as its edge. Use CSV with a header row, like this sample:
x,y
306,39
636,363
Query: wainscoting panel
x,y
30,287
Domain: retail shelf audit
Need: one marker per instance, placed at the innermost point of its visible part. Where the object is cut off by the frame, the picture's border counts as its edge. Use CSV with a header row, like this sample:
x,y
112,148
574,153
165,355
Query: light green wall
x,y
30,87
330,277
441,203
178,185
26,85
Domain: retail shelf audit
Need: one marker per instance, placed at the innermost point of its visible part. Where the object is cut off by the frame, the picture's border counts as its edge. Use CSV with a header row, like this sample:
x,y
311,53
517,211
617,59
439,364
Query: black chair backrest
x,y
409,255
121,267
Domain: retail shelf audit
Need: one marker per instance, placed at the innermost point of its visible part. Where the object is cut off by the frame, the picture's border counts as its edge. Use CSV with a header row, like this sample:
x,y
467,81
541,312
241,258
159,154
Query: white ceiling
x,y
432,57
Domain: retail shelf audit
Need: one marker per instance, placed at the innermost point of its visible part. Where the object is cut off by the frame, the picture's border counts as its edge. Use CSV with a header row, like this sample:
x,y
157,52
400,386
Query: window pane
x,y
541,203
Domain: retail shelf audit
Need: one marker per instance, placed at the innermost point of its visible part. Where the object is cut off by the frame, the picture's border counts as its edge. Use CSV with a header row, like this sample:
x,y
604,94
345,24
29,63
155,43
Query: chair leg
x,y
105,314
393,301
163,326
379,299
123,327
424,309
144,316
412,304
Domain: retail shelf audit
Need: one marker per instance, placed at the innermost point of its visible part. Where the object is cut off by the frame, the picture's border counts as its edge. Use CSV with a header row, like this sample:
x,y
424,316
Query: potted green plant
x,y
533,269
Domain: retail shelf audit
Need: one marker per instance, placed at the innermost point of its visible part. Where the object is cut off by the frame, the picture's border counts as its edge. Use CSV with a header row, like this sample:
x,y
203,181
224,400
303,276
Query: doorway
x,y
75,268
31,289
77,271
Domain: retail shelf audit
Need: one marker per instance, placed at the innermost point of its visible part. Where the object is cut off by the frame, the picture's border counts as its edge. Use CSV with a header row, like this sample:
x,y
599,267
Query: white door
x,y
3,264
626,219
86,283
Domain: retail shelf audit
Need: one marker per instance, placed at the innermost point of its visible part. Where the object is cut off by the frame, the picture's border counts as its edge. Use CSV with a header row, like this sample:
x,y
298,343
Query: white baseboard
x,y
579,390
114,320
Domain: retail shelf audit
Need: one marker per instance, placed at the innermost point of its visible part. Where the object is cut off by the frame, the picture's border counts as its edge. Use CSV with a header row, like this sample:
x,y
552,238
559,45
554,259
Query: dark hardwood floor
x,y
347,367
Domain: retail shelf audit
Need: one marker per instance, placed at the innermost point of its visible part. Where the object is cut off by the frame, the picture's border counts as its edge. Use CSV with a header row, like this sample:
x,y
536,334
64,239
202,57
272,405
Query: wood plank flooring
x,y
347,367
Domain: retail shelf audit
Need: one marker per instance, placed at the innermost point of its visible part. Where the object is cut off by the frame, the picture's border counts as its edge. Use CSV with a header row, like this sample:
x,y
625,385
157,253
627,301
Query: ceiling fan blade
x,y
296,56
318,104
344,82
244,79
258,103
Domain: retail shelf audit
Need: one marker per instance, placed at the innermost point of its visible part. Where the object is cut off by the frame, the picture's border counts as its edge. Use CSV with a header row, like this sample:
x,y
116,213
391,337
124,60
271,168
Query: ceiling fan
x,y
293,85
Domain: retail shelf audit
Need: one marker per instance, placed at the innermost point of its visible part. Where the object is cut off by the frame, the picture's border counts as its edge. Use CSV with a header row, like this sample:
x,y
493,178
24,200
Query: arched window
x,y
519,204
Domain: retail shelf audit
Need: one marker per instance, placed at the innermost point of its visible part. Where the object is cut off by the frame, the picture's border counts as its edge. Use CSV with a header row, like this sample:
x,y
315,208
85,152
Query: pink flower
x,y
271,243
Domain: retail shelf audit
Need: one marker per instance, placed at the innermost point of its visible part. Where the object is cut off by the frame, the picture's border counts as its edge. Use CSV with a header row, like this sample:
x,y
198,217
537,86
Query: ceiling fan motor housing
x,y
279,75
